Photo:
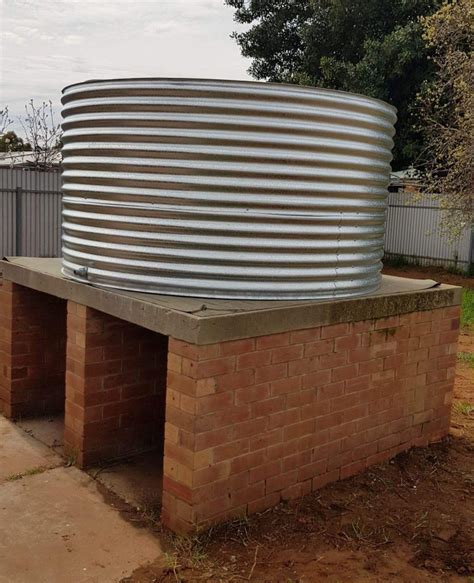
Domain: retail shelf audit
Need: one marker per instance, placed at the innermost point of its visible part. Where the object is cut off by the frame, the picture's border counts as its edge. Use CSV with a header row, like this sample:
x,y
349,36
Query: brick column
x,y
32,351
115,386
255,421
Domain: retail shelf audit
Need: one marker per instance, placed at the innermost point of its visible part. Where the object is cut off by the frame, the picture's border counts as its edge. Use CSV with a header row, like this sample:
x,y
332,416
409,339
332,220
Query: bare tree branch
x,y
42,132
5,120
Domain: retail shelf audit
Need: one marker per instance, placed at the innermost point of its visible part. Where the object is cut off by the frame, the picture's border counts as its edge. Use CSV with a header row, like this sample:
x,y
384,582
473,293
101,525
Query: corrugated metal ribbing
x,y
413,231
224,188
30,212
7,223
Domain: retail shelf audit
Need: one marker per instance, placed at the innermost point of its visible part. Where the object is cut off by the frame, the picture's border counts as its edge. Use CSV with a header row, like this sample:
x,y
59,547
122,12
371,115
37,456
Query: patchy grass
x,y
464,408
467,308
187,553
30,472
466,358
454,269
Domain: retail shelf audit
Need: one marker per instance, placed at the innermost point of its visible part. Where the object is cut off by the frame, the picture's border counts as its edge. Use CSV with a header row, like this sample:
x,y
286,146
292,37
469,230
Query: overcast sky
x,y
47,44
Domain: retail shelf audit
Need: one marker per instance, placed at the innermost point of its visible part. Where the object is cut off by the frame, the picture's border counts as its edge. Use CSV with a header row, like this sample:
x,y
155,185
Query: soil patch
x,y
425,272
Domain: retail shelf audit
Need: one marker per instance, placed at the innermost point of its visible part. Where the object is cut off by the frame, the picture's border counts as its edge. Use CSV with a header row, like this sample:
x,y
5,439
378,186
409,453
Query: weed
x,y
464,408
361,533
357,530
421,524
70,460
188,553
30,472
236,530
150,508
172,564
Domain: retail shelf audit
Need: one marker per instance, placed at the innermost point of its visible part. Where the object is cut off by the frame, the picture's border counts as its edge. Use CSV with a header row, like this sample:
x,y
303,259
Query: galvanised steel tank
x,y
224,189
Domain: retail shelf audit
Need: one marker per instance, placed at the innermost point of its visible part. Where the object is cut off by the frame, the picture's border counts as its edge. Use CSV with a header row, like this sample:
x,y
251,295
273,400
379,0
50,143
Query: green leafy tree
x,y
374,47
10,142
446,105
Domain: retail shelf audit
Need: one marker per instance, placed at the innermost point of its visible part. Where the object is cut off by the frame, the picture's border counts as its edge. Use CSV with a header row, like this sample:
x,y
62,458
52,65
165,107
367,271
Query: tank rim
x,y
302,88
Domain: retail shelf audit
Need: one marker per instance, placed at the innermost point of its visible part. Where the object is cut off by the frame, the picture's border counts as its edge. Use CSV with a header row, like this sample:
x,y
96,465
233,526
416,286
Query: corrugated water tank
x,y
224,189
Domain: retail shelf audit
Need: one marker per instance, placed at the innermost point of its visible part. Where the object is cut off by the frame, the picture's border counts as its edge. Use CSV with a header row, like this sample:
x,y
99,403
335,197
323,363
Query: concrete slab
x,y
20,453
138,481
47,430
206,321
61,529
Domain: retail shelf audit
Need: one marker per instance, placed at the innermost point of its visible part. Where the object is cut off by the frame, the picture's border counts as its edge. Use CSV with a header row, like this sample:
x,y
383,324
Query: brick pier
x,y
115,386
252,404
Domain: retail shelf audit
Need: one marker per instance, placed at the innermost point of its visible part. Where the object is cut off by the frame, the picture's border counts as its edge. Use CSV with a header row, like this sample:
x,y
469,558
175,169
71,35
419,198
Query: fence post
x,y
18,220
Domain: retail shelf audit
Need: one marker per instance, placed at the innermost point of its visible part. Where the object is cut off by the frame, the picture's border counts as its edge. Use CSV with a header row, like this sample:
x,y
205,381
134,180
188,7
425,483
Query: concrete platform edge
x,y
208,329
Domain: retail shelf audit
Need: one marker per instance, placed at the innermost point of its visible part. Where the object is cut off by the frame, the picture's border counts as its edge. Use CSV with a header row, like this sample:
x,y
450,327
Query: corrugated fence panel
x,y
30,212
413,231
7,223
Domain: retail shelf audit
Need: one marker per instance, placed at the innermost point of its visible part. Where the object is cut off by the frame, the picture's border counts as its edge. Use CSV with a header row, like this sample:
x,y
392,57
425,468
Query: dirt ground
x,y
436,273
407,520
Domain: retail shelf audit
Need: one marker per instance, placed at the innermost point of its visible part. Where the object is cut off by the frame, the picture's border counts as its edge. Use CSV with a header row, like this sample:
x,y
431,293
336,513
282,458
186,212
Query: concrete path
x,y
54,523
20,453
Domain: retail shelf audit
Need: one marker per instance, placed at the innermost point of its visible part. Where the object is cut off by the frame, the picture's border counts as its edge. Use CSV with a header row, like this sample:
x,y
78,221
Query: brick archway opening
x,y
115,388
33,360
88,384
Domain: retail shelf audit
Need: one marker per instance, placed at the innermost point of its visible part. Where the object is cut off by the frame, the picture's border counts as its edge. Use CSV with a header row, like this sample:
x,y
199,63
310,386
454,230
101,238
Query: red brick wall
x,y
115,386
32,351
248,422
255,421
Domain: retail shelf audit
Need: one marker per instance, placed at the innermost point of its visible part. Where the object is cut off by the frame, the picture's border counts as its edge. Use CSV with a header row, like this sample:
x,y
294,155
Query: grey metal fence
x,y
30,212
413,233
30,223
